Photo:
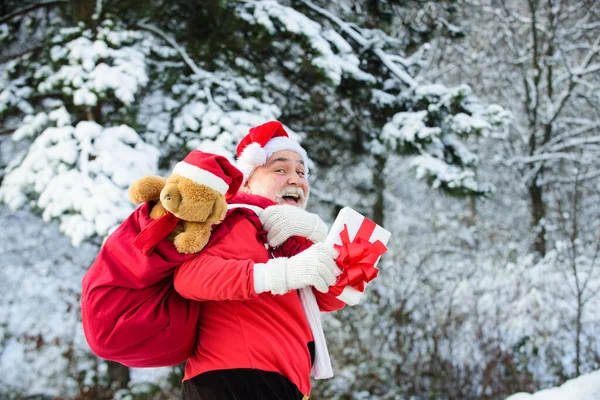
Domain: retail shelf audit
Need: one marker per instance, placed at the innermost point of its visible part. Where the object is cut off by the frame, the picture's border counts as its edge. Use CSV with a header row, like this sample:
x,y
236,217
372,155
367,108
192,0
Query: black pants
x,y
240,384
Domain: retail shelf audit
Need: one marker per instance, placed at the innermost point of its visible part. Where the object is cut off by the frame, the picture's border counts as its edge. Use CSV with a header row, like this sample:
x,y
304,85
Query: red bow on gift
x,y
357,258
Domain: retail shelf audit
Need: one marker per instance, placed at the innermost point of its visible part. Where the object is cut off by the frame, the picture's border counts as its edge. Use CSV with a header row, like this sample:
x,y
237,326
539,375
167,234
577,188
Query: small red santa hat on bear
x,y
211,170
207,169
261,142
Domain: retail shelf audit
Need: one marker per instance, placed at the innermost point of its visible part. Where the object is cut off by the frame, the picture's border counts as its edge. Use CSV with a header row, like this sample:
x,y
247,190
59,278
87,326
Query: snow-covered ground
x,y
585,387
42,347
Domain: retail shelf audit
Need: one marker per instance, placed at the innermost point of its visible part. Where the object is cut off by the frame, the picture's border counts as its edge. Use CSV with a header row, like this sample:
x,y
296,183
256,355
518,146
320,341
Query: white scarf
x,y
322,367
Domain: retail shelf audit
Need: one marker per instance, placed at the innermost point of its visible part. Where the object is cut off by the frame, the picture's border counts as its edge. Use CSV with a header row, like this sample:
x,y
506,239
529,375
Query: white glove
x,y
314,266
284,221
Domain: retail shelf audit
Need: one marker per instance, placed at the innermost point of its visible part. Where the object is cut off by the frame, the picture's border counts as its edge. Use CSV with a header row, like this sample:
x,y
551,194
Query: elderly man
x,y
254,339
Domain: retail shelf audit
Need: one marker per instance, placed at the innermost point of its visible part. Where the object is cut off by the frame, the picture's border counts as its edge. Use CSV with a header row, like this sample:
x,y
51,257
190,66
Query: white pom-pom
x,y
254,155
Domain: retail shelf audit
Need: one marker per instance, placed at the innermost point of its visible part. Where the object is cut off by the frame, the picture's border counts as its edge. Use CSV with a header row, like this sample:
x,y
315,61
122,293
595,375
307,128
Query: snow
x,y
427,166
84,70
60,116
382,98
43,349
431,90
408,127
4,31
334,65
40,318
439,144
466,125
80,176
32,125
465,156
14,93
585,387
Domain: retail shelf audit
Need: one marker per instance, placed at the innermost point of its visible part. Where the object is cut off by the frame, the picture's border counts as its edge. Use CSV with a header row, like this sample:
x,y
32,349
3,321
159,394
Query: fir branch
x,y
387,59
8,131
30,8
184,55
20,54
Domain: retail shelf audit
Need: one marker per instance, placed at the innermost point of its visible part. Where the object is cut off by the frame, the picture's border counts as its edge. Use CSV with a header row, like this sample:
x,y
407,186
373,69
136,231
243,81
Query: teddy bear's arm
x,y
194,237
147,188
157,211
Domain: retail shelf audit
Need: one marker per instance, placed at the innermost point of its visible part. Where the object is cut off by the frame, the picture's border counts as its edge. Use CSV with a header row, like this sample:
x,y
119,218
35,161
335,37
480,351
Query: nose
x,y
294,179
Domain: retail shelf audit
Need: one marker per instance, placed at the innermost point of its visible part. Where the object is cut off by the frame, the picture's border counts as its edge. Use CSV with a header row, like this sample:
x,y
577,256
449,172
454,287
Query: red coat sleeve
x,y
223,271
130,311
328,302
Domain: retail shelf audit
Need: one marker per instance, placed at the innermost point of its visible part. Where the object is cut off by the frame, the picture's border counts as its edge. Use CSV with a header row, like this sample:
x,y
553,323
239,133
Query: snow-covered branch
x,y
184,55
573,179
586,67
387,59
545,157
569,133
574,142
30,8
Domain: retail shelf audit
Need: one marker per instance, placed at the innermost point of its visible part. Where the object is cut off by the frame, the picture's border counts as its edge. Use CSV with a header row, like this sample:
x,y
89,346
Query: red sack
x,y
130,311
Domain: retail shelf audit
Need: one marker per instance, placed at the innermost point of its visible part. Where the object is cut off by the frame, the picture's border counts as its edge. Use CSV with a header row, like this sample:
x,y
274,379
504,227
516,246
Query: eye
x,y
279,170
300,173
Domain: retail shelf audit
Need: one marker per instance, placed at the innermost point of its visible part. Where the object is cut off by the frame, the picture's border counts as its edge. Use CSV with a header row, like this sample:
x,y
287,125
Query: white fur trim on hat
x,y
254,155
201,176
285,143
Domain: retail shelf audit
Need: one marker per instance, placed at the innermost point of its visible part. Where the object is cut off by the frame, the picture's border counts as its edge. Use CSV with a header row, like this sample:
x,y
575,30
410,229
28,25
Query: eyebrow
x,y
285,159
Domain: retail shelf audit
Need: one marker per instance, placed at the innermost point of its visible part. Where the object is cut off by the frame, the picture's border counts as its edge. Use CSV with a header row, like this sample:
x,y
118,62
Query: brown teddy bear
x,y
188,203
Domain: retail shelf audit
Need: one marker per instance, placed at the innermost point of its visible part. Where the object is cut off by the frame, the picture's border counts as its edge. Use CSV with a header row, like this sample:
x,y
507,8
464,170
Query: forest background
x,y
468,128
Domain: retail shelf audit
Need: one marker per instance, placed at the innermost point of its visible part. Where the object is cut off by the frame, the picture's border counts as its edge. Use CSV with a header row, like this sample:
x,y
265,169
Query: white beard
x,y
267,191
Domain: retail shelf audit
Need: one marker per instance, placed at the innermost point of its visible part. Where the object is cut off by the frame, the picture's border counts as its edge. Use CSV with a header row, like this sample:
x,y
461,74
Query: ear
x,y
246,188
219,210
146,189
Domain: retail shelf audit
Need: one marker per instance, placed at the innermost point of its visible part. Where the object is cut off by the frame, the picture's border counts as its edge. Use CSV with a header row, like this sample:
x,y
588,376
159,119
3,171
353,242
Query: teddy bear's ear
x,y
146,189
218,212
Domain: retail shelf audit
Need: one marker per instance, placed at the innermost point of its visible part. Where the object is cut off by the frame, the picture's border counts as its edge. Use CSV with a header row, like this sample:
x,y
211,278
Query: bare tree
x,y
540,60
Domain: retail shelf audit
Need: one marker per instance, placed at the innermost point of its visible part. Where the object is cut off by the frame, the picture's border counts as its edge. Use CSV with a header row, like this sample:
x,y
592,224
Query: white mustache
x,y
292,190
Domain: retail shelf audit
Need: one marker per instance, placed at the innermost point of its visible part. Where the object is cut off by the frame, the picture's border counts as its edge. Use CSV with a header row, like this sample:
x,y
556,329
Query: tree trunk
x,y
82,10
473,210
538,212
379,183
119,374
578,337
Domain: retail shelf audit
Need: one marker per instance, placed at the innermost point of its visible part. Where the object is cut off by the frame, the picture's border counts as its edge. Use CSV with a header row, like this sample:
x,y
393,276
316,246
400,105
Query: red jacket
x,y
238,328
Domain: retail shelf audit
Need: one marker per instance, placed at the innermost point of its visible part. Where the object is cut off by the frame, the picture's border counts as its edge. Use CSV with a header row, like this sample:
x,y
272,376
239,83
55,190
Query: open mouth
x,y
289,198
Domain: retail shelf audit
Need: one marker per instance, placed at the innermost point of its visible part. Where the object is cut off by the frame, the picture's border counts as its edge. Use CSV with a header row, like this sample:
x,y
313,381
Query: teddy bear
x,y
188,202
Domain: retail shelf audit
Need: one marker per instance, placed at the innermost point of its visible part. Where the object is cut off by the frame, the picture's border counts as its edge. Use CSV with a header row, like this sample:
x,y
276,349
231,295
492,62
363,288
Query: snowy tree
x,y
539,60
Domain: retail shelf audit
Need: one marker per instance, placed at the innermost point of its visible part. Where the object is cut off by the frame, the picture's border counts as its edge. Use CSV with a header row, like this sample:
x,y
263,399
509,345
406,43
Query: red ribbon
x,y
156,231
357,258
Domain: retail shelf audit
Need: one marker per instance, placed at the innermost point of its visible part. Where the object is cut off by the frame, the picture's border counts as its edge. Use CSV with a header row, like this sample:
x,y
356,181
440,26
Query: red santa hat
x,y
211,170
261,142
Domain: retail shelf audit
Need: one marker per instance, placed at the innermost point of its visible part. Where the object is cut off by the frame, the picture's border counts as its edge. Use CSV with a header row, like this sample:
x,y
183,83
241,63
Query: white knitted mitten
x,y
314,266
284,221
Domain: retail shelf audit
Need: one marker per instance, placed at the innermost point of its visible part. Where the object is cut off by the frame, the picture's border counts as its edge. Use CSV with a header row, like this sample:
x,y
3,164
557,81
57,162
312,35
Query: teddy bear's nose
x,y
170,197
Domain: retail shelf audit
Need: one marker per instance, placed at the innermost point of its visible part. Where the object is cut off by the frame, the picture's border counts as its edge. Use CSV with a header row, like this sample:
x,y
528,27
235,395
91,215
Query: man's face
x,y
281,179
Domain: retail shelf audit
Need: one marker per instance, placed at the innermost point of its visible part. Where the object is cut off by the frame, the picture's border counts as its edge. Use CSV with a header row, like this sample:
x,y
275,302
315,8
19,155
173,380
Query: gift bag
x,y
130,310
361,242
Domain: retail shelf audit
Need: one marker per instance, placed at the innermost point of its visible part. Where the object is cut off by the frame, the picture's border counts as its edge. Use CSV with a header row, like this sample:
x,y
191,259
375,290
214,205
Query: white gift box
x,y
354,220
